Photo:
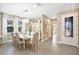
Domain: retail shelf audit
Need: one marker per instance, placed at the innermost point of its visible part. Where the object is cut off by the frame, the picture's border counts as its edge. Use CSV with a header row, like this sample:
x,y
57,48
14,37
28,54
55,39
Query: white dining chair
x,y
1,39
34,43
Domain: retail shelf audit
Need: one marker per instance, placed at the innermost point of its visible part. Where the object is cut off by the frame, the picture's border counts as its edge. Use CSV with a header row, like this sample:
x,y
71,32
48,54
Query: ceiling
x,y
35,10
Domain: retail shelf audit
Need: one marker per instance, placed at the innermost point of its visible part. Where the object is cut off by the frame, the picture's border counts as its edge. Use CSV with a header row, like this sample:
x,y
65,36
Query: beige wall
x,y
45,28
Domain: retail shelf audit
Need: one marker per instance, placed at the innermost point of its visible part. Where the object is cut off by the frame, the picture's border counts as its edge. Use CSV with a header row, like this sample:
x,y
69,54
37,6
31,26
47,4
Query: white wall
x,y
4,24
15,20
1,15
7,36
16,24
69,40
24,21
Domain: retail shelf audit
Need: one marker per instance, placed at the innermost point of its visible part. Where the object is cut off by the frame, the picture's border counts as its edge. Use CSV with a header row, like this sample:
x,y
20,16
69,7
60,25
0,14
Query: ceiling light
x,y
53,17
25,10
36,5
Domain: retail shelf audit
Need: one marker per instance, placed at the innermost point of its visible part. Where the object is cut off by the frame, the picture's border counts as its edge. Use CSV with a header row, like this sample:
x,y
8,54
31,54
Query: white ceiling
x,y
49,9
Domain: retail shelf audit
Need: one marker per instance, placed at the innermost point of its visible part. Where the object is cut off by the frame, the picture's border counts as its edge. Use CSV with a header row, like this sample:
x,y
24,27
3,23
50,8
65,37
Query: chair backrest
x,y
35,39
17,36
12,35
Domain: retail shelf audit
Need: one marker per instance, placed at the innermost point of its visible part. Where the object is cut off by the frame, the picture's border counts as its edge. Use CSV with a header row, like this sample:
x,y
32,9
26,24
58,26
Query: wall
x,y
58,29
78,29
1,15
7,36
24,25
45,28
16,19
61,21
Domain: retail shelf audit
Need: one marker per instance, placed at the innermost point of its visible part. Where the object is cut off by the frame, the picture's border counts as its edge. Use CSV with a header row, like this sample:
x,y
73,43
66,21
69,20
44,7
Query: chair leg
x,y
19,45
24,46
36,47
33,47
16,44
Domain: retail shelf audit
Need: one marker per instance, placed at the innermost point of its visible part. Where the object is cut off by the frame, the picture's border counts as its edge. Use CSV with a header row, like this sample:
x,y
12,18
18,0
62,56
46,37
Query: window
x,y
9,22
19,29
10,27
20,26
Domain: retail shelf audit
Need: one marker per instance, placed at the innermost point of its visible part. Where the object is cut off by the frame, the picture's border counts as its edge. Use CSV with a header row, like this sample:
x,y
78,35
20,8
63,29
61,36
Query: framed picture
x,y
69,26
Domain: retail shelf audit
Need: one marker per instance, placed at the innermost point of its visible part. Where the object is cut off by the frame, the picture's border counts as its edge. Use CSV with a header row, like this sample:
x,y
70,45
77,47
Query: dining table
x,y
26,37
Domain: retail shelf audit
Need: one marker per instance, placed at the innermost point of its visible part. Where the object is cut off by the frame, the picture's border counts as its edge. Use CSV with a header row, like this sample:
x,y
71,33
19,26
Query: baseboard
x,y
7,41
44,40
67,44
78,46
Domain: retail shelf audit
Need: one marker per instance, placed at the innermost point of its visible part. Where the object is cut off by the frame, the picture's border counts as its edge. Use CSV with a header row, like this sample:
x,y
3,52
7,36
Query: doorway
x,y
54,31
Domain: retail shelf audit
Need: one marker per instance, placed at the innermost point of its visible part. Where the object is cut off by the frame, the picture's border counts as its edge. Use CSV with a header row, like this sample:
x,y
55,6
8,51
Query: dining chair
x,y
34,43
20,41
13,38
1,39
